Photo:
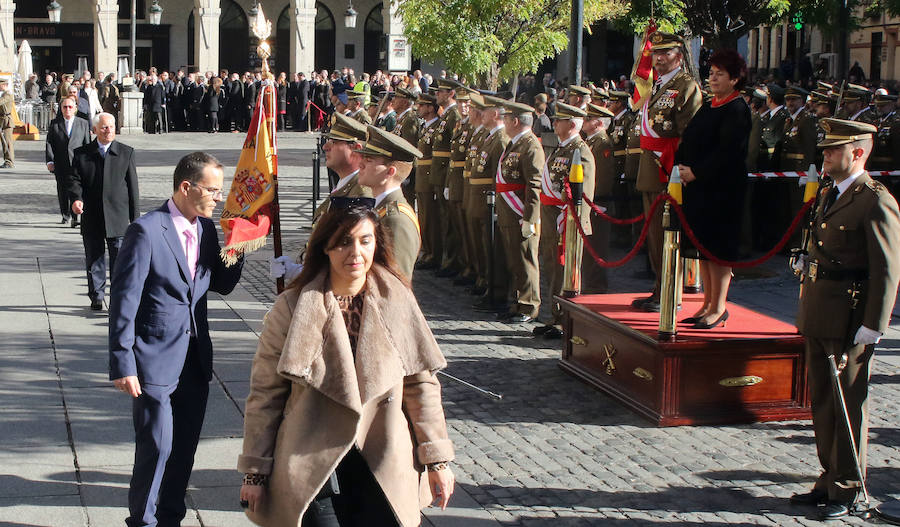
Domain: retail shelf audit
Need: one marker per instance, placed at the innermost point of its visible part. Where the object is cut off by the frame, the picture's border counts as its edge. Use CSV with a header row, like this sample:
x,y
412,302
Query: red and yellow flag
x,y
642,74
249,209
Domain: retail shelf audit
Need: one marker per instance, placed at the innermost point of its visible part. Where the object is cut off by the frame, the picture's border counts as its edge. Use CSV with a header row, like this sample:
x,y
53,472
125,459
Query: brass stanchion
x,y
672,275
574,245
692,282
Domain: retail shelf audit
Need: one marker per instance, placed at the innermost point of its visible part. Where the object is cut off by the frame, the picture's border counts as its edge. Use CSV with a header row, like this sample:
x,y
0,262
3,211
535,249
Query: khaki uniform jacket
x,y
633,147
441,146
386,402
458,153
472,149
560,164
799,149
601,146
484,168
771,140
869,115
423,165
398,216
351,190
859,232
522,164
618,135
671,109
7,107
408,127
886,150
362,116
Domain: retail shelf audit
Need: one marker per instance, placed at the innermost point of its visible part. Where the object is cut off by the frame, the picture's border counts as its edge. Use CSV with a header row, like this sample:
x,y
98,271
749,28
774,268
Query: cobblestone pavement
x,y
553,451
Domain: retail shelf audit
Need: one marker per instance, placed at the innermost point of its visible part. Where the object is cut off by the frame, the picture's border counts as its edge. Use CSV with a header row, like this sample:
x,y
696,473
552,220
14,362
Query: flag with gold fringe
x,y
642,74
250,207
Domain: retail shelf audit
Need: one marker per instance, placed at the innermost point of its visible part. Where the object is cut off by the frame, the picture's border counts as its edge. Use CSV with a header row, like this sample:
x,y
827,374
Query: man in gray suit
x,y
66,133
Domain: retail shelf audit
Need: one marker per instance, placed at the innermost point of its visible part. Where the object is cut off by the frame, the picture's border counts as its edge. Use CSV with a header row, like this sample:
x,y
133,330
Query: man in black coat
x,y
301,106
198,92
235,100
155,98
104,189
66,133
250,90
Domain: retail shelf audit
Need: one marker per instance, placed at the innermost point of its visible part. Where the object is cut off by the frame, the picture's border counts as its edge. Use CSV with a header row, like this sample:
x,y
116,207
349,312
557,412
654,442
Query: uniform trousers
x,y
6,141
425,207
832,444
458,246
522,261
549,248
492,270
446,245
594,277
167,424
654,236
95,248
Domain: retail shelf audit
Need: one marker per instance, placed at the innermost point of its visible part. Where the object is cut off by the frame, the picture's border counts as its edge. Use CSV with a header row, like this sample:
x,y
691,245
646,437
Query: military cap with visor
x,y
840,132
445,83
426,98
855,92
616,95
344,128
565,112
884,98
579,90
384,144
796,92
593,111
517,108
492,102
661,41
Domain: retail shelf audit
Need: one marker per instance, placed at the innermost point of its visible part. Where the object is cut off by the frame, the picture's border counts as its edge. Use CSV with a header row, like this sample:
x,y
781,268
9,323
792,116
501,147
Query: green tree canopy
x,y
494,40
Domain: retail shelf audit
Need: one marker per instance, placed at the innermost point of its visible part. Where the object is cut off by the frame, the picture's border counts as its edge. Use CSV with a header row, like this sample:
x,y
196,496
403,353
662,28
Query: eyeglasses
x,y
216,193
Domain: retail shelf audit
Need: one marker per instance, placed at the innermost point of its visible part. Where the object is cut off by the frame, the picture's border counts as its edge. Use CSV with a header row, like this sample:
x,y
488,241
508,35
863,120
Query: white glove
x,y
800,263
528,230
866,336
446,193
284,266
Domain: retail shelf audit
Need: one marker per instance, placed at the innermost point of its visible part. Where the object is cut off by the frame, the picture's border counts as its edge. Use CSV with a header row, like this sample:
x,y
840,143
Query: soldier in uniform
x,y
342,147
408,128
766,192
7,107
601,145
798,151
387,161
855,105
387,119
427,108
824,105
627,200
440,153
477,136
567,123
457,246
518,206
484,170
849,288
355,109
579,96
772,130
886,153
675,99
599,96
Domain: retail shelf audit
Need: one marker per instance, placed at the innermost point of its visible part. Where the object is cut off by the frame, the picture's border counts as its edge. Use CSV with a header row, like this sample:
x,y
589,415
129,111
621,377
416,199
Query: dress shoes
x,y
554,333
446,272
710,325
637,303
486,306
515,318
813,497
6,165
97,305
650,306
833,510
64,221
75,223
541,330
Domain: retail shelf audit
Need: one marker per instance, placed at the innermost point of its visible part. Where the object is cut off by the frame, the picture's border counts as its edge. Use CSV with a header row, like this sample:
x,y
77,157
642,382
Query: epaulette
x,y
875,185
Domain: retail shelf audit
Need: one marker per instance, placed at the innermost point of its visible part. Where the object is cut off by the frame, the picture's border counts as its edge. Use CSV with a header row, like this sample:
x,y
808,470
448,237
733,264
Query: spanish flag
x,y
642,74
249,209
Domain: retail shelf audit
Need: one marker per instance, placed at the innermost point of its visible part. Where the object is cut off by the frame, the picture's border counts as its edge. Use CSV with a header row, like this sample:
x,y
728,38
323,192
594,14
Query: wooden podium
x,y
752,370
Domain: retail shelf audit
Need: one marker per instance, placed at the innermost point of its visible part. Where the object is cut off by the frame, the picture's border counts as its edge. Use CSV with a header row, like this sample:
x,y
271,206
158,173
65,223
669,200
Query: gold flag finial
x,y
262,29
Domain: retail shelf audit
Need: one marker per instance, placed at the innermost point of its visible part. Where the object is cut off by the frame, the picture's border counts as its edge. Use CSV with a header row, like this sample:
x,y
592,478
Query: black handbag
x,y
330,488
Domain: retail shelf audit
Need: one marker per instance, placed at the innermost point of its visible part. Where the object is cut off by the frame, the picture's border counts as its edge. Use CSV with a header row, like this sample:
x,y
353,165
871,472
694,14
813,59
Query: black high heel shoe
x,y
703,325
691,320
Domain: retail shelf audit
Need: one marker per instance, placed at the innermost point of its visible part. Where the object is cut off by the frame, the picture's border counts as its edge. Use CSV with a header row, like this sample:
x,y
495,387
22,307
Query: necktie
x,y
830,198
656,86
189,252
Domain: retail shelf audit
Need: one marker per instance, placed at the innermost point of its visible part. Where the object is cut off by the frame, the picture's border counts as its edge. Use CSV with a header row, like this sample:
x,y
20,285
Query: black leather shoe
x,y
834,510
650,306
553,333
638,302
541,330
75,223
813,497
446,273
463,281
518,318
64,221
96,305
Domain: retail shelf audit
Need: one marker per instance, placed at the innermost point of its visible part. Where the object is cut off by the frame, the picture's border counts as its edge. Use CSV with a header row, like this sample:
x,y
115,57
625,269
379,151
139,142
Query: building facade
x,y
202,35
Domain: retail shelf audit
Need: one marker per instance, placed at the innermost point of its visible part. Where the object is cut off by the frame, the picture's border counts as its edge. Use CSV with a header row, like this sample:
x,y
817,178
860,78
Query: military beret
x,y
426,98
855,92
517,108
344,128
492,102
579,90
564,112
406,94
445,83
661,41
841,132
594,111
884,98
391,146
795,91
617,95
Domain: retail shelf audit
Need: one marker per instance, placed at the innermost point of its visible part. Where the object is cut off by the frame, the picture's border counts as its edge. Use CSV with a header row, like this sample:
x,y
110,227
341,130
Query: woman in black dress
x,y
712,161
215,99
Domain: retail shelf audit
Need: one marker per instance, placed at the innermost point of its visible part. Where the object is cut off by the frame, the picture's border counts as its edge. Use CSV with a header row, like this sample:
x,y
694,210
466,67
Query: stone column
x,y
106,47
206,35
7,42
303,36
752,43
393,25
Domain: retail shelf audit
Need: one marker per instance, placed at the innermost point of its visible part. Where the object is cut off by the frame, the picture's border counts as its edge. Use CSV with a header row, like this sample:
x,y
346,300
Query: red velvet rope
x,y
615,221
310,103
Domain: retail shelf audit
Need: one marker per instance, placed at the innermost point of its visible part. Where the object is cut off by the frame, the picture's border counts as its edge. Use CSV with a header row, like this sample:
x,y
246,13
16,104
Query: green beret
x,y
841,132
388,145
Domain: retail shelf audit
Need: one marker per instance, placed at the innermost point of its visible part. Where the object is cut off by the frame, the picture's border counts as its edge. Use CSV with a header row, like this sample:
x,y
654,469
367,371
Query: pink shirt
x,y
184,227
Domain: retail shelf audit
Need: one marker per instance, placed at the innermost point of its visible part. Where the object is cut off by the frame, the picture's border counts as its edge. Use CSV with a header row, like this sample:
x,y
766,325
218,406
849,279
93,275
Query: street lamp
x,y
155,13
54,11
350,16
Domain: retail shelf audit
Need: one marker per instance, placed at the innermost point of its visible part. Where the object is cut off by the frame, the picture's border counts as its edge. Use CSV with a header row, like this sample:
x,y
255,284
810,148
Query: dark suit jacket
x,y
156,97
108,187
302,96
154,304
61,147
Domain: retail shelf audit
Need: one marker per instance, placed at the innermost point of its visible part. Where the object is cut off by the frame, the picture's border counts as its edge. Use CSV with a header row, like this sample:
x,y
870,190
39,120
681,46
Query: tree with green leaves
x,y
495,40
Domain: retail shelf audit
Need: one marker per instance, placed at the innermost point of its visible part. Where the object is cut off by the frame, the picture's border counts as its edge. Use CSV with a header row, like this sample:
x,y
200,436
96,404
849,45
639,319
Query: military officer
x,y
627,200
567,123
578,96
855,105
471,204
602,147
440,153
7,108
824,105
387,117
458,247
886,154
848,292
355,108
427,107
799,147
408,128
484,170
766,192
518,186
387,161
599,96
342,147
772,130
675,99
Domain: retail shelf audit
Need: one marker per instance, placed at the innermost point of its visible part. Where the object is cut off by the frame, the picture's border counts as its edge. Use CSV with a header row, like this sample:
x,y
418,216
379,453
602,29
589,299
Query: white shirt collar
x,y
406,111
103,147
344,180
494,129
620,114
668,76
857,114
773,111
795,114
845,184
595,133
477,128
518,136
428,122
450,106
567,141
379,198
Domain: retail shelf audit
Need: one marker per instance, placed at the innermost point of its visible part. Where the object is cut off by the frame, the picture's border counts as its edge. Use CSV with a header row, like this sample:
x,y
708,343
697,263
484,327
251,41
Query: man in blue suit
x,y
160,352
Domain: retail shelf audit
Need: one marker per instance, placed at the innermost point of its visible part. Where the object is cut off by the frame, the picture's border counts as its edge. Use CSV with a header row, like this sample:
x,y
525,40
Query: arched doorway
x,y
375,41
281,49
325,38
234,39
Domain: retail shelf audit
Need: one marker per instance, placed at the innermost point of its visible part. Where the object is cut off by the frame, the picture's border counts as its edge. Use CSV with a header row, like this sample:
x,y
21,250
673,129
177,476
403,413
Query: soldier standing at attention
x,y
342,147
519,211
470,205
766,192
7,108
627,200
387,161
408,128
428,112
457,248
799,148
355,108
675,99
567,123
886,152
772,130
848,292
855,105
601,145
440,164
579,96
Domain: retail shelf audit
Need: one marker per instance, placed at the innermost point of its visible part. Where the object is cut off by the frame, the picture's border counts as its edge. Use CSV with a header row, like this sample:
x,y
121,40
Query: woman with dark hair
x,y
712,162
215,99
344,424
281,88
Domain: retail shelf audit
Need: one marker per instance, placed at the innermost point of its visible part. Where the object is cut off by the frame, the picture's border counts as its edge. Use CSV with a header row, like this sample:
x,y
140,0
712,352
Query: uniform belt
x,y
620,152
630,151
423,162
467,174
457,164
794,156
814,272
437,153
481,181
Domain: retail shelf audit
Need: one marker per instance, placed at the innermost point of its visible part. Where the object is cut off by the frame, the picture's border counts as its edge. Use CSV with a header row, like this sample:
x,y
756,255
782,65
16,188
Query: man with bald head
x,y
104,190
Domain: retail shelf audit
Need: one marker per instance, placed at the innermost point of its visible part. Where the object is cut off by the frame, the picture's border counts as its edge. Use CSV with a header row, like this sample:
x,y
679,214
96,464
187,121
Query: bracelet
x,y
256,479
437,467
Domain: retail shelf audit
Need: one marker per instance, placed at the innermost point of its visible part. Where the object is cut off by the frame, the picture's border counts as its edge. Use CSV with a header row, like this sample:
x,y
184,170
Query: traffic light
x,y
797,20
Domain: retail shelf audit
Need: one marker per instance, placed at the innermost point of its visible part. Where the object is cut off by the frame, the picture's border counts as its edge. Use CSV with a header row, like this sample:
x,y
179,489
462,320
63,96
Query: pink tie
x,y
189,252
